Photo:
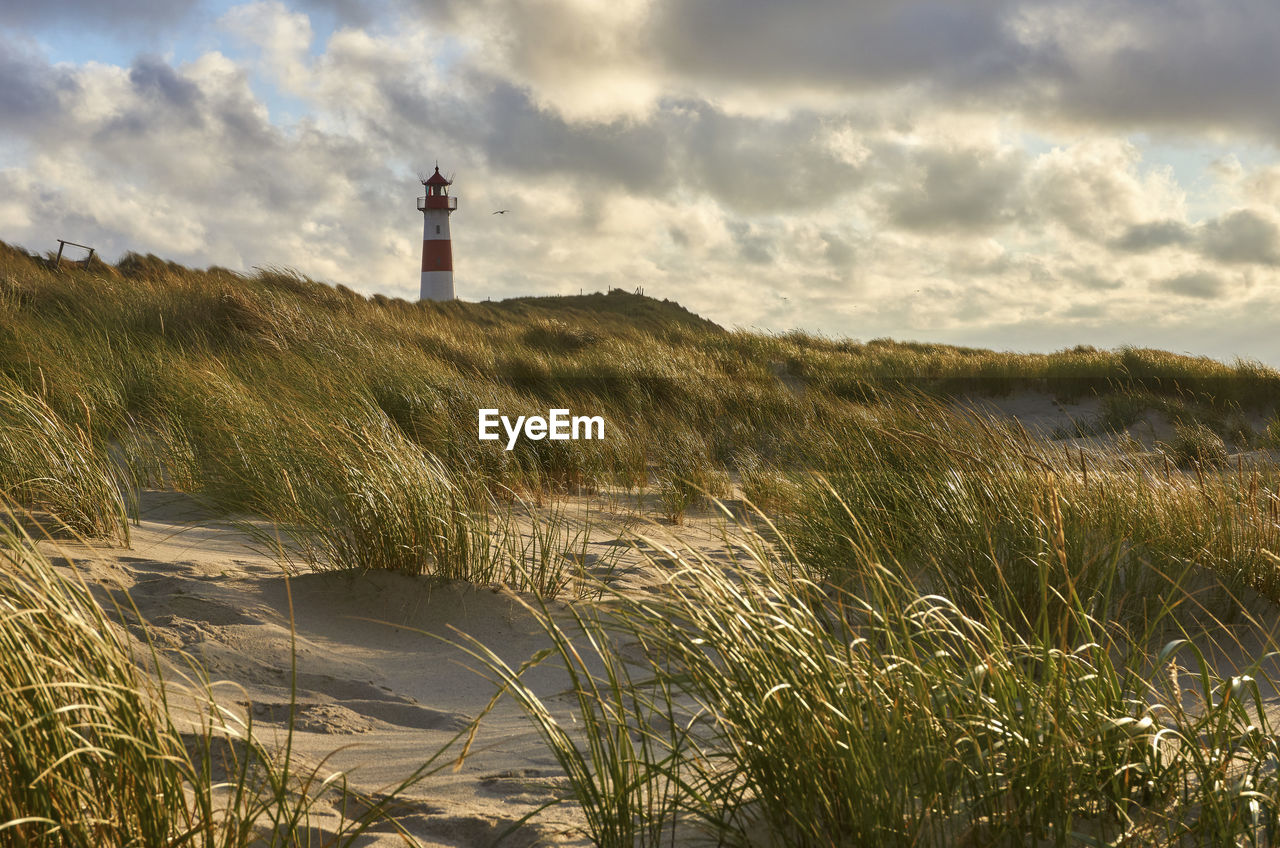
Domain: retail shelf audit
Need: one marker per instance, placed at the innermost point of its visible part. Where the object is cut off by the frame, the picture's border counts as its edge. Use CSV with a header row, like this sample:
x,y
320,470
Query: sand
x,y
379,689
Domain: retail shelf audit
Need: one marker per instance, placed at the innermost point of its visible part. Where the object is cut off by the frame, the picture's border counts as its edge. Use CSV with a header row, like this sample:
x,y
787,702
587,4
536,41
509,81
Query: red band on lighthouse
x,y
437,255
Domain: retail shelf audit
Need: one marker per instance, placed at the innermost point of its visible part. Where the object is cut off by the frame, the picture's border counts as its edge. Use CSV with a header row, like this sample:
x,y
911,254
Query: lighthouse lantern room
x,y
437,252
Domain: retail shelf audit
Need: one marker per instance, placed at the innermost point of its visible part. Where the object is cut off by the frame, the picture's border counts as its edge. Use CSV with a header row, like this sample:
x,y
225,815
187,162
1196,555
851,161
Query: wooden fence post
x,y
62,244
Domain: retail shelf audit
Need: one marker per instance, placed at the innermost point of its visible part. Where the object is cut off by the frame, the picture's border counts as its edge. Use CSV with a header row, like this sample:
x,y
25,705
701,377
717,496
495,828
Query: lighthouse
x,y
437,252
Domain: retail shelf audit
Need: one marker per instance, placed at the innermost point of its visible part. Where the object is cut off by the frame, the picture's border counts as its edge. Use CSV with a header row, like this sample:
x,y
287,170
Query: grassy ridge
x,y
184,365
354,420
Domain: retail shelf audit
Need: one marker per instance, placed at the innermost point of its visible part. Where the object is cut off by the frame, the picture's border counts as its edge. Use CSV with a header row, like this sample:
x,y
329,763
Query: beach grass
x,y
147,350
944,630
764,706
968,500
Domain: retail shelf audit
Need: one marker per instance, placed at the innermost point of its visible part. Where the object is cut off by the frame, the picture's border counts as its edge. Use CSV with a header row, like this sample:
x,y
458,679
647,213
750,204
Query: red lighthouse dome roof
x,y
436,180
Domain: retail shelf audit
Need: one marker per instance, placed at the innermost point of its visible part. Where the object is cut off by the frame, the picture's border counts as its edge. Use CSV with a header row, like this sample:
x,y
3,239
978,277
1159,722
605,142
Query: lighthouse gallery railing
x,y
437,201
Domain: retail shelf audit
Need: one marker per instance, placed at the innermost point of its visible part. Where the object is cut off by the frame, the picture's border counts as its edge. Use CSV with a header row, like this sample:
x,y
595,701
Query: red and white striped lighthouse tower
x,y
437,251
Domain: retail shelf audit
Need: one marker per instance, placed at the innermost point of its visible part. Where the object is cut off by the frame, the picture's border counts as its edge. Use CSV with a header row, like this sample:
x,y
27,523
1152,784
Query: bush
x,y
1122,410
1238,429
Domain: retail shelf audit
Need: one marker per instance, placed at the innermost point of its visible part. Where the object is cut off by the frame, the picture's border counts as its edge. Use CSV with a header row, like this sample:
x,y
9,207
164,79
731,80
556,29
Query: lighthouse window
x,y
437,229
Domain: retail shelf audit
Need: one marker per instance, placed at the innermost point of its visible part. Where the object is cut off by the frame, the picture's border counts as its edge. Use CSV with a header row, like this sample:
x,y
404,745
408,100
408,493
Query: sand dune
x,y
379,689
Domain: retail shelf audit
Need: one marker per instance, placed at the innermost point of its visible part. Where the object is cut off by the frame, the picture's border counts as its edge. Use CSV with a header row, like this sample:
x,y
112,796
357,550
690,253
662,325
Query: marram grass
x,y
86,760
50,464
754,706
968,501
149,347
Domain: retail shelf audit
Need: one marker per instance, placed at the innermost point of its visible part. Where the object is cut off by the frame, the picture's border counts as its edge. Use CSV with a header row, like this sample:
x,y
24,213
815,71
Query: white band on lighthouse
x,y
437,250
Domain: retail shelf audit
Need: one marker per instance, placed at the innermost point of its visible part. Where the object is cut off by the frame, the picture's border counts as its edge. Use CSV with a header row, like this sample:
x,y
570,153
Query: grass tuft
x,y
51,465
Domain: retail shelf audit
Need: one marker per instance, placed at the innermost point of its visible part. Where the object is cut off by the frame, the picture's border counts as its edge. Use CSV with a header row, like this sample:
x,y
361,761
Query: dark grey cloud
x,y
1085,312
750,164
167,114
1242,237
1186,64
151,76
852,44
353,13
192,167
754,245
1152,235
29,87
757,164
505,127
1092,277
518,135
1202,285
957,191
837,250
121,16
964,263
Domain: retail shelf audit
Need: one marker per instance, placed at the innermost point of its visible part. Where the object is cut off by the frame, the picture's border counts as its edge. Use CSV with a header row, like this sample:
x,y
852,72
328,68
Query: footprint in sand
x,y
205,610
412,716
315,718
358,716
526,786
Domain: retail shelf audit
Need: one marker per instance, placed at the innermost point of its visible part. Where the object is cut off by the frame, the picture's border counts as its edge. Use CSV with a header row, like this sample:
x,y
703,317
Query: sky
x,y
1017,174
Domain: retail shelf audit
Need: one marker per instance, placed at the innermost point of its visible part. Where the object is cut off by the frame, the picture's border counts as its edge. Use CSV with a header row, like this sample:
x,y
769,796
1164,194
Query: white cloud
x,y
283,38
1095,188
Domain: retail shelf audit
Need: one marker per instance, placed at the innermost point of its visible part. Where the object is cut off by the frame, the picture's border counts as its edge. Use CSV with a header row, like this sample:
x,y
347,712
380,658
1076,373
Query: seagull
x,y
502,211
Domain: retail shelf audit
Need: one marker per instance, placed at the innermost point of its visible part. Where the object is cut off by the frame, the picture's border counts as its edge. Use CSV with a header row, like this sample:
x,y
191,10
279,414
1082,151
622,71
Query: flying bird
x,y
502,211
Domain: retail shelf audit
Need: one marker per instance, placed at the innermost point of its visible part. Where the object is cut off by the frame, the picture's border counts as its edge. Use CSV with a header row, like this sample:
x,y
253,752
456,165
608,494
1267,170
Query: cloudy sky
x,y
1019,174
